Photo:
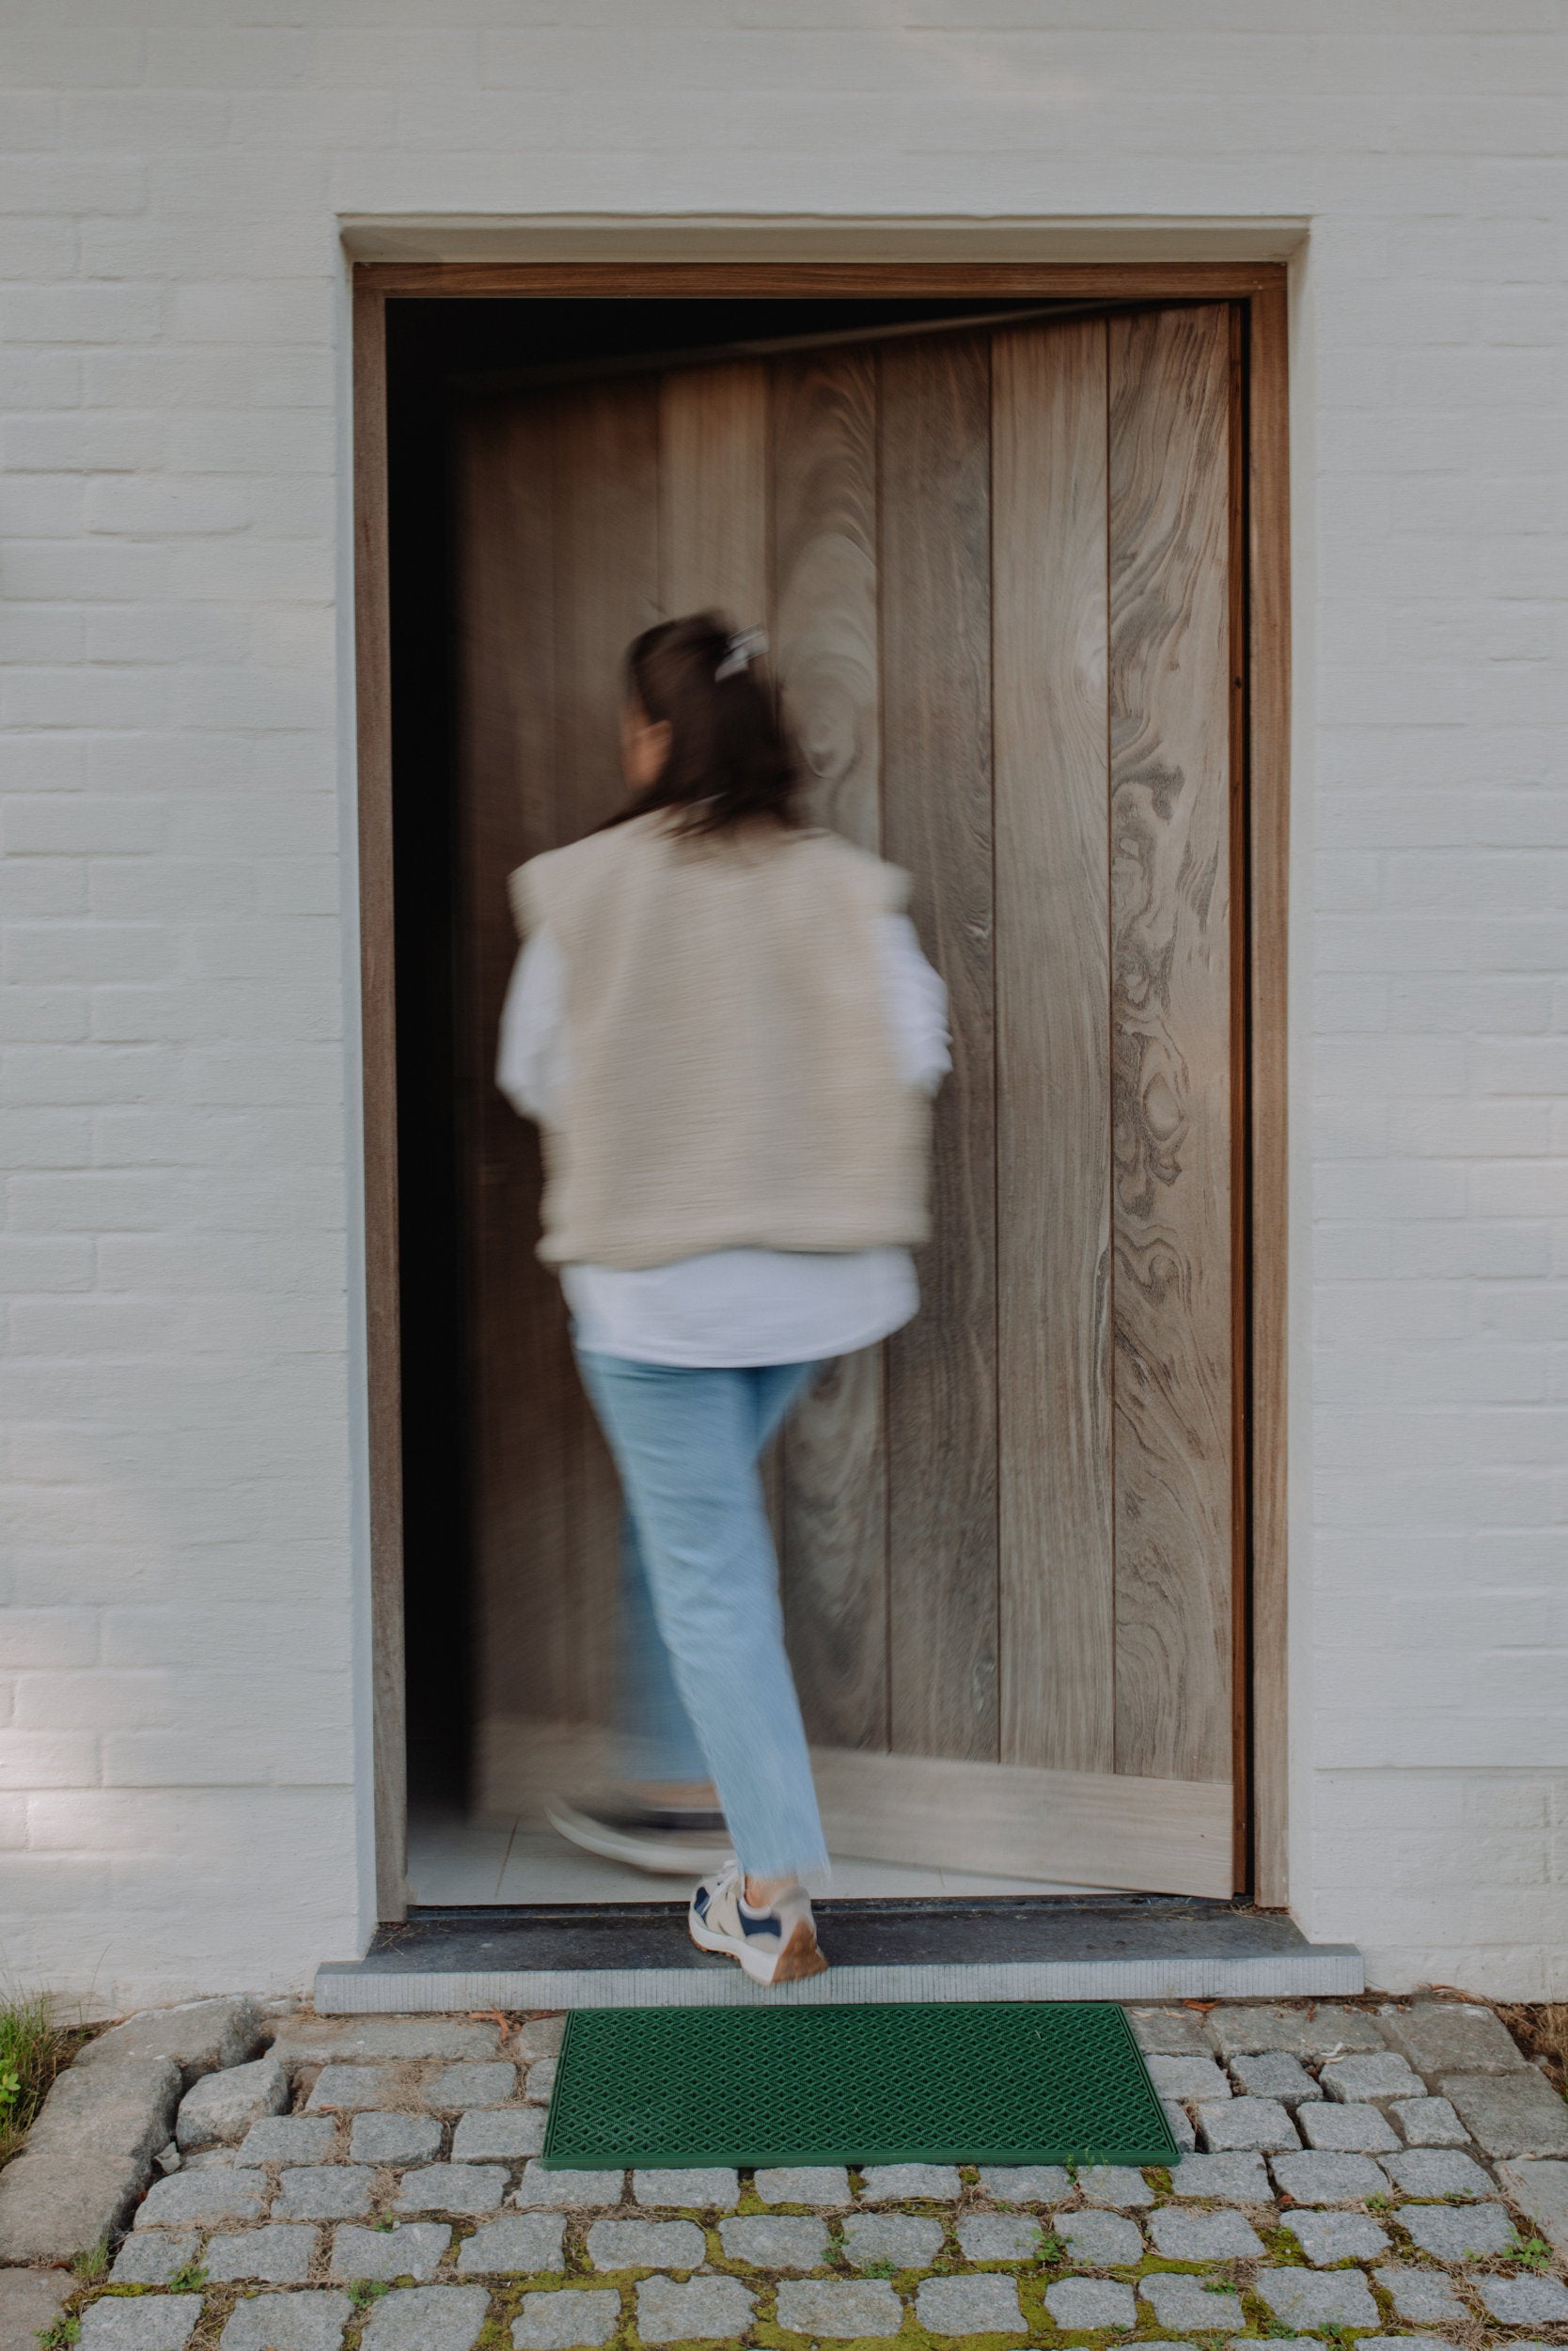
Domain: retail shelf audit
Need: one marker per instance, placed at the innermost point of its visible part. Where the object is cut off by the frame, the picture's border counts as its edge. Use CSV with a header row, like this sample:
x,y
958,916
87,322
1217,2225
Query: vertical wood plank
x,y
1053,1105
1269,724
379,1056
525,1619
713,549
1171,978
607,586
935,567
712,493
825,636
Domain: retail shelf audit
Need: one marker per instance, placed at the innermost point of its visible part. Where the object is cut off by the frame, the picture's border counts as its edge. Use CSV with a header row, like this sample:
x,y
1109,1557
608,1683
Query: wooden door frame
x,y
1262,716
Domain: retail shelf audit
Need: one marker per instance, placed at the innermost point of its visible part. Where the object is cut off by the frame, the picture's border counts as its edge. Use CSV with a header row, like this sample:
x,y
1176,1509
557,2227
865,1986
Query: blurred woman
x,y
722,1022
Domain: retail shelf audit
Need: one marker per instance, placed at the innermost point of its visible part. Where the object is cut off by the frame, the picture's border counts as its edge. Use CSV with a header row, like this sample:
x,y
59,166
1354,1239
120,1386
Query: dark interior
x,y
436,350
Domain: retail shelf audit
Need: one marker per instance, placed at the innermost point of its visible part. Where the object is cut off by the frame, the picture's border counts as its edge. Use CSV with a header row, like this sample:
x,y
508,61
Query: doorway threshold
x,y
1125,1947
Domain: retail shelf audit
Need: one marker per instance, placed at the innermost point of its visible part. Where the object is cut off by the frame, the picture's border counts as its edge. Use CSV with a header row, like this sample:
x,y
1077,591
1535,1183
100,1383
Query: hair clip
x,y
741,652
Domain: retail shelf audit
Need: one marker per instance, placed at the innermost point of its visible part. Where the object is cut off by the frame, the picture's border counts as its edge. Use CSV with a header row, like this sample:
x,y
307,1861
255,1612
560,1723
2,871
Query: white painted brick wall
x,y
176,1712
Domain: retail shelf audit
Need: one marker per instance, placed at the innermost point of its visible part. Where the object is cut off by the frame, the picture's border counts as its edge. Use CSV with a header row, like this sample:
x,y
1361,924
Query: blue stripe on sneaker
x,y
700,1902
772,1924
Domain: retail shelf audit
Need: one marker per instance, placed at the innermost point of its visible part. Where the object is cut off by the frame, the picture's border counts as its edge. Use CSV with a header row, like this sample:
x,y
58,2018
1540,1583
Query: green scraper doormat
x,y
1003,2081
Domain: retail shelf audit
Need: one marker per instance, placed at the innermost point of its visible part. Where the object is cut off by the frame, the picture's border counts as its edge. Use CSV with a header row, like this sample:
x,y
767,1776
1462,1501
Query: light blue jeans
x,y
705,1685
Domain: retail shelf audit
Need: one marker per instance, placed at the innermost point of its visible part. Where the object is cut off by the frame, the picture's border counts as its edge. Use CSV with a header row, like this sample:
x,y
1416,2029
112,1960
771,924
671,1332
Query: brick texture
x,y
179,1240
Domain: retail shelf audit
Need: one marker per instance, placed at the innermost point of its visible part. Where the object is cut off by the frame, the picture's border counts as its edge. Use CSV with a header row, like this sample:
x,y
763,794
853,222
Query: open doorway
x,y
1001,551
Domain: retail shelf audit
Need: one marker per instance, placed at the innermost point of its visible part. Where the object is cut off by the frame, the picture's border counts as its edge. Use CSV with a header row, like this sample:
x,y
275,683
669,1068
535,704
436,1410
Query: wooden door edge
x,y
379,1101
1213,281
1268,813
1020,1820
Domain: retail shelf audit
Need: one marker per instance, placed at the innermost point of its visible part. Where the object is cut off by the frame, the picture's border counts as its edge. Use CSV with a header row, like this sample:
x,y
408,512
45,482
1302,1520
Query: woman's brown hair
x,y
730,760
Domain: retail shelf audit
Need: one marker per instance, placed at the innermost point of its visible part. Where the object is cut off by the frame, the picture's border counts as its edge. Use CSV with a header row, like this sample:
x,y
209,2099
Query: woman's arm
x,y
531,1066
916,1005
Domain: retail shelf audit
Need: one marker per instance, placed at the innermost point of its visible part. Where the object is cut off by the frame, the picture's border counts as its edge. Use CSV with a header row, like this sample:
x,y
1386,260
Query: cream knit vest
x,y
732,1075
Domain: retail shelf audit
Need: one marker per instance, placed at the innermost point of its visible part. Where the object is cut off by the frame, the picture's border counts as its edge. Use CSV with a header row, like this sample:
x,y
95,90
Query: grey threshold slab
x,y
638,1955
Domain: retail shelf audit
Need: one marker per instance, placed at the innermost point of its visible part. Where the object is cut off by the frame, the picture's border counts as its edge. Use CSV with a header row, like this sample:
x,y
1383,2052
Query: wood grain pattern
x,y
1268,797
1053,1110
525,1619
1100,281
1238,1108
824,633
1156,1836
606,590
712,493
825,651
935,574
1171,981
378,1019
713,510
948,1528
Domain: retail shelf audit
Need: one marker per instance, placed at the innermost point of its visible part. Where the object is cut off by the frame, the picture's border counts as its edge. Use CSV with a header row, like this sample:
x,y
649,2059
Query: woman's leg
x,y
774,1388
654,1734
685,1443
657,1741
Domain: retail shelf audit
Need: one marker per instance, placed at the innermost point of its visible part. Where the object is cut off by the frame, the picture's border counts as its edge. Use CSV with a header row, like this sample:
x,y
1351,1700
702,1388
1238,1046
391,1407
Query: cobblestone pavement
x,y
1349,2175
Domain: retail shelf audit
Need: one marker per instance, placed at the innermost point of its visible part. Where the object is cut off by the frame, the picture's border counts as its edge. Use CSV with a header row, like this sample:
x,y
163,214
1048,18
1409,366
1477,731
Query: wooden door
x,y
999,570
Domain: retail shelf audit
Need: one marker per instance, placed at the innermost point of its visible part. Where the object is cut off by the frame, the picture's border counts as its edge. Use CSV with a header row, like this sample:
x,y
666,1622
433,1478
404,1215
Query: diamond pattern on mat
x,y
988,2082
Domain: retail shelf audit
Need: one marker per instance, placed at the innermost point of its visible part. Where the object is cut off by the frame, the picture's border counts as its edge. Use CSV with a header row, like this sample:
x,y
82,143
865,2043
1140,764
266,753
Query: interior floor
x,y
454,1858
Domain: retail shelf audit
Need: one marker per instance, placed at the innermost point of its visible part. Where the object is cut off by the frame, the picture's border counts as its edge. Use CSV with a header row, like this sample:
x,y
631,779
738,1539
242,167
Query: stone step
x,y
589,1955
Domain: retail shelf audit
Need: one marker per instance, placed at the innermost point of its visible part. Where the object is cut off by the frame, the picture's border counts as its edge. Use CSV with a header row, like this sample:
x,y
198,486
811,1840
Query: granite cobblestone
x,y
1186,2305
1439,2242
143,2324
411,2250
1222,2235
574,2321
820,2184
325,2191
279,2255
1327,2237
774,2240
840,2311
288,2139
970,2306
528,2243
1272,2074
1457,2232
153,2260
467,2188
904,2240
705,2310
985,2236
458,2087
1423,2297
501,2136
1316,2297
381,2138
1347,2130
287,2321
1428,2123
1101,2240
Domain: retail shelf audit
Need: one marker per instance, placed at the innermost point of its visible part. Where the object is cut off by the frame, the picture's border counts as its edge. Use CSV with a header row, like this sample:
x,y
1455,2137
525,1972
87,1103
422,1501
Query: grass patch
x,y
32,2050
91,2267
1541,2029
1529,2253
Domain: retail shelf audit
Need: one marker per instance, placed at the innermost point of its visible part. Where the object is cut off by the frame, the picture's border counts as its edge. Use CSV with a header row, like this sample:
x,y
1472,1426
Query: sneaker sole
x,y
656,1857
799,1957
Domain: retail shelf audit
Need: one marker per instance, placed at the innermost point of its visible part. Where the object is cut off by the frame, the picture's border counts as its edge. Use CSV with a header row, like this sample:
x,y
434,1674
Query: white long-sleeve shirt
x,y
730,1306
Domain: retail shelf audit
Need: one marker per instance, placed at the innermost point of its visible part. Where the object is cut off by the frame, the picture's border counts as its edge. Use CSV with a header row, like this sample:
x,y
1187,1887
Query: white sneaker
x,y
778,1945
671,1841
